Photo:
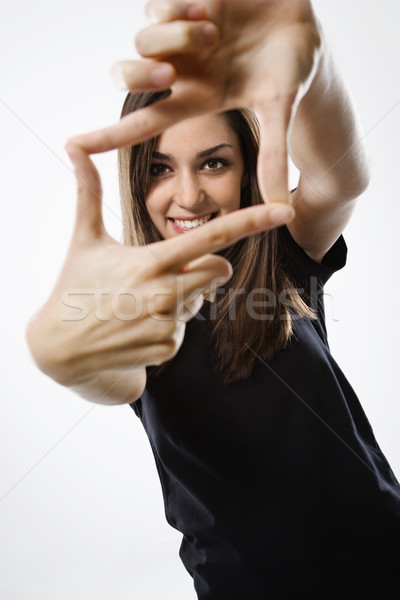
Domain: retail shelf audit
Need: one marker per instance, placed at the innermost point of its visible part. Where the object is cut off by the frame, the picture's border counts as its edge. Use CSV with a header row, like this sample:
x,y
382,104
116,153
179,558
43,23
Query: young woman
x,y
268,464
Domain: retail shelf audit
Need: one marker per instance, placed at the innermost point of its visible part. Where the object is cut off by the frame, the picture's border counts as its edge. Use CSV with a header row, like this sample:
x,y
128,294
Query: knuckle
x,y
190,35
70,146
251,222
161,304
218,238
187,35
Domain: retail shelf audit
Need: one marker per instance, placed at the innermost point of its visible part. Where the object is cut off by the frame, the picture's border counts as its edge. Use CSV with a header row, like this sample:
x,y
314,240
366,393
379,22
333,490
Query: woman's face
x,y
196,174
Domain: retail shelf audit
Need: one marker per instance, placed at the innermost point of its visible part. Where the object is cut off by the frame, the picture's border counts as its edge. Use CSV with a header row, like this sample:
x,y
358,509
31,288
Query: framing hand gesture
x,y
147,293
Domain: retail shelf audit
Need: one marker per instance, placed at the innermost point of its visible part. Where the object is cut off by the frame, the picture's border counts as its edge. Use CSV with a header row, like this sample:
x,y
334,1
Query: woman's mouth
x,y
185,225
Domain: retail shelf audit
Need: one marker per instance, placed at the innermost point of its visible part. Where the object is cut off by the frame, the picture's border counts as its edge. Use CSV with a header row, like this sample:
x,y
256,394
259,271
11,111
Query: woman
x,y
268,464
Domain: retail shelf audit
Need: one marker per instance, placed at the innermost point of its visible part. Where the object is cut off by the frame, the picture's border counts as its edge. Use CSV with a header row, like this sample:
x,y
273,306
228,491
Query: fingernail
x,y
210,33
162,75
117,74
281,214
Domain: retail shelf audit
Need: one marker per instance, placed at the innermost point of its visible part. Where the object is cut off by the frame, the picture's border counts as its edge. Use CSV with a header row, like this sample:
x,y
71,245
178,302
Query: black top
x,y
276,481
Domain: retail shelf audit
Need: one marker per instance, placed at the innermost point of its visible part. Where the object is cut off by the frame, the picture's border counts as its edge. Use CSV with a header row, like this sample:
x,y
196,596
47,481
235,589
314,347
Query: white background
x,y
81,512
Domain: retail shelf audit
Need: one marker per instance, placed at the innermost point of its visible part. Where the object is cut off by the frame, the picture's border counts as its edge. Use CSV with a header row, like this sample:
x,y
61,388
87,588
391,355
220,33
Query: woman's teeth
x,y
186,224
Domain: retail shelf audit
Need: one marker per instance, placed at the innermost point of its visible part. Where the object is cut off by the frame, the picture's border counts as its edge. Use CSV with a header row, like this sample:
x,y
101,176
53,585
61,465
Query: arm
x,y
327,147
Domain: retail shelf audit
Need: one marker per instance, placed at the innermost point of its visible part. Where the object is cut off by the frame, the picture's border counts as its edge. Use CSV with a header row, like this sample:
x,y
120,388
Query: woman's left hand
x,y
218,55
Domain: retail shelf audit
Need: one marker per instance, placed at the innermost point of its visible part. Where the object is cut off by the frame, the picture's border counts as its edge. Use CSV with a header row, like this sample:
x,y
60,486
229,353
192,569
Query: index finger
x,y
135,127
220,233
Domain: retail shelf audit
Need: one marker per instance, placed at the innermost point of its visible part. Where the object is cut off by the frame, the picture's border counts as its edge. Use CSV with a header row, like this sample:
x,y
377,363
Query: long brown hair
x,y
237,336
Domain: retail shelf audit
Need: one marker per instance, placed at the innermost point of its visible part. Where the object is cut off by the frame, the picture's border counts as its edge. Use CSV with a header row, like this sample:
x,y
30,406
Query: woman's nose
x,y
189,192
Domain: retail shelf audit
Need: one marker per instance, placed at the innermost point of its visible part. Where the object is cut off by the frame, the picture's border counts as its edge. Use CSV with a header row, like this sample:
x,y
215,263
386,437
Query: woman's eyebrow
x,y
213,149
161,156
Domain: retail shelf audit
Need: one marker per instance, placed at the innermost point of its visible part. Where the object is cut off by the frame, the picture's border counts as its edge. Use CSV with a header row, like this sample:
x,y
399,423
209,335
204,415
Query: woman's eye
x,y
214,163
158,169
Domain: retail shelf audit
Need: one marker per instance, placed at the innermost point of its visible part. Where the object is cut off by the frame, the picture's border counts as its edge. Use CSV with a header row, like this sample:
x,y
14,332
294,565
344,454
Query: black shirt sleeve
x,y
301,267
308,277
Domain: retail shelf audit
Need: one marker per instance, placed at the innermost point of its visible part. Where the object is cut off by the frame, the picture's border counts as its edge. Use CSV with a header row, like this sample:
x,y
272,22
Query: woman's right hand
x,y
116,306
219,55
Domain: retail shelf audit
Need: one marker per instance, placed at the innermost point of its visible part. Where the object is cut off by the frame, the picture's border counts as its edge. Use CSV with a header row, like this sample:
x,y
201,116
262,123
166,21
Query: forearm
x,y
326,142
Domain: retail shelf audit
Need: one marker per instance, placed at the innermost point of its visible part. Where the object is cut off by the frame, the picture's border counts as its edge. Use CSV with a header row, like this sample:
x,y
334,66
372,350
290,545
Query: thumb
x,y
88,220
272,167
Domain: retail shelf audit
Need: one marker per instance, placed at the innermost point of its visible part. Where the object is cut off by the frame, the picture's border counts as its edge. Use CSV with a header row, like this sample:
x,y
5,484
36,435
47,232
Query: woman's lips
x,y
186,224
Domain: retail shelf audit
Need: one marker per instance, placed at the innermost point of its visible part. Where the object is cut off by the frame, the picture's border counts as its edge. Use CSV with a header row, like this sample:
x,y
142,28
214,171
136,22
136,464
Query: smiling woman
x,y
269,467
250,382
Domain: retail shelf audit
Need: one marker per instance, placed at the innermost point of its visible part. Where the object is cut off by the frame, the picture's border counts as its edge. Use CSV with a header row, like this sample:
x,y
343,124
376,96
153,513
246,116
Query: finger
x,y
191,307
206,273
88,221
191,304
135,127
219,234
272,166
171,291
159,11
165,39
155,353
143,75
158,352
